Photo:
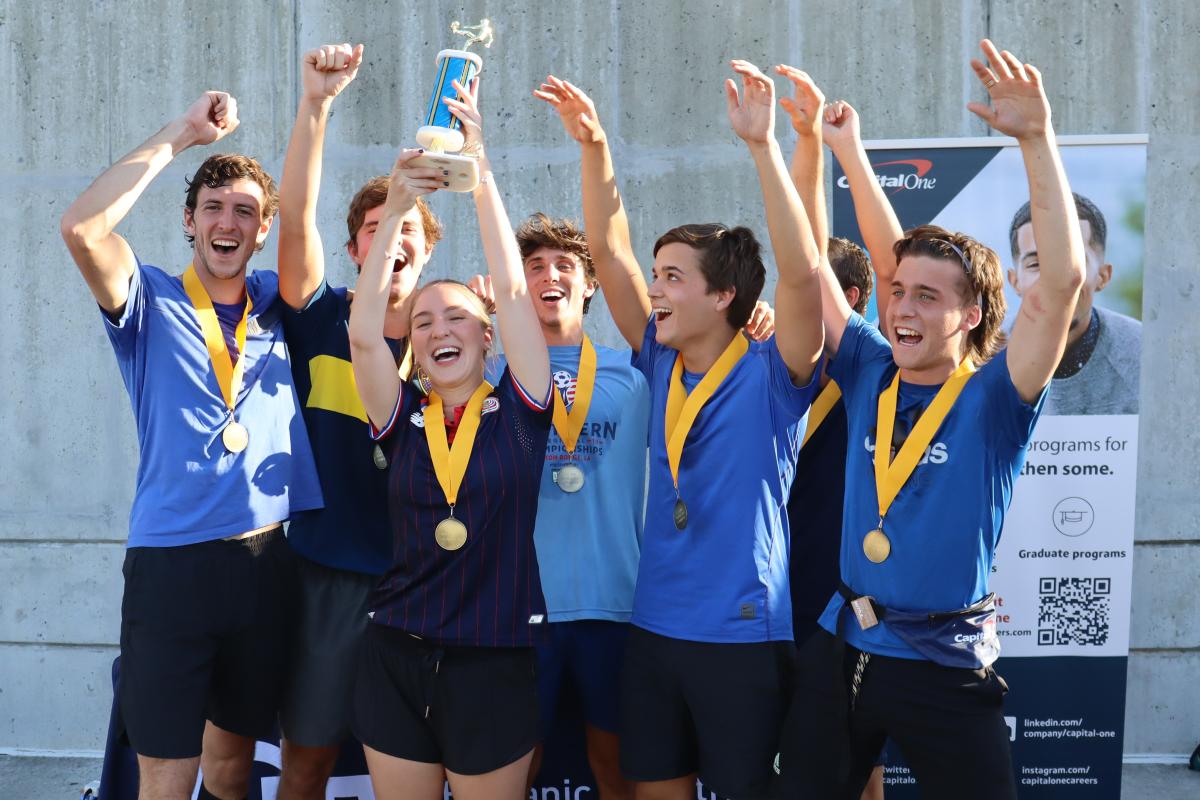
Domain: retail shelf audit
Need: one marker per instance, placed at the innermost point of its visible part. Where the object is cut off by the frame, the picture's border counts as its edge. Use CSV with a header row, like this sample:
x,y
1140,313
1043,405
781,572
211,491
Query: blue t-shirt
x,y
351,532
724,578
189,487
588,542
487,593
945,523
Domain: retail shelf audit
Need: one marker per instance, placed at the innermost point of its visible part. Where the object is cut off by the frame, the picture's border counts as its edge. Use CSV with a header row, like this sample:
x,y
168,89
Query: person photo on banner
x,y
224,459
818,491
709,657
446,688
1101,368
909,639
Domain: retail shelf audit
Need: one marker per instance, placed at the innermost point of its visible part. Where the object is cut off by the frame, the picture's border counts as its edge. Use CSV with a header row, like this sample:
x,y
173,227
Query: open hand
x,y
753,114
328,69
211,118
805,107
466,109
1019,106
575,109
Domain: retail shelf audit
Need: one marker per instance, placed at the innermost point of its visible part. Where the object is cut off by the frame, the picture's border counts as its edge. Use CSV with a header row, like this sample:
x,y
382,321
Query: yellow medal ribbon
x,y
569,424
821,407
682,408
450,463
890,478
229,375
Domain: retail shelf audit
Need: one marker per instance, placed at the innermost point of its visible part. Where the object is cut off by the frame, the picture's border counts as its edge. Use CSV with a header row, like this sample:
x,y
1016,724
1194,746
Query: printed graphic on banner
x,y
1063,570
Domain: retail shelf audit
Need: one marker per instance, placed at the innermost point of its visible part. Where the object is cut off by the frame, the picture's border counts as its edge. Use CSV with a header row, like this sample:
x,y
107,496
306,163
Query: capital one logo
x,y
904,174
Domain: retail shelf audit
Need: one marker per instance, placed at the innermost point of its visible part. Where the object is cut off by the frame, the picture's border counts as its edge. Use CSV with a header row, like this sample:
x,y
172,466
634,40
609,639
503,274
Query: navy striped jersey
x,y
488,592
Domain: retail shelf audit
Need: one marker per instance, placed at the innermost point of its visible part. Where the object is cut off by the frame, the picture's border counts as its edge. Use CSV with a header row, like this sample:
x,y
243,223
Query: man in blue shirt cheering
x,y
939,419
224,459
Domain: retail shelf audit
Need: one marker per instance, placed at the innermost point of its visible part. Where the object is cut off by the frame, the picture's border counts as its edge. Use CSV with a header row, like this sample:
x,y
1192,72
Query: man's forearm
x,y
301,259
808,175
96,213
1054,217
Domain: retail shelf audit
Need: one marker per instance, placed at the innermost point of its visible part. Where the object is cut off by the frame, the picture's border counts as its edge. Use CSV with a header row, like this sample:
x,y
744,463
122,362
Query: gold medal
x,y
683,408
235,437
227,372
569,424
450,462
891,474
570,479
877,546
680,514
450,534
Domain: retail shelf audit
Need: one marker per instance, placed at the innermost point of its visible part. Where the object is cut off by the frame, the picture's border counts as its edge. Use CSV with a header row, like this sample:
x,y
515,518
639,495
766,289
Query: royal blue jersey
x,y
351,532
945,523
190,488
488,592
724,578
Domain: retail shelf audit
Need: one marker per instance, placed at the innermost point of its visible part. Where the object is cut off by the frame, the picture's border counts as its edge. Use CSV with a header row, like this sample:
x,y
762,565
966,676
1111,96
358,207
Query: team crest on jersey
x,y
490,404
565,384
418,419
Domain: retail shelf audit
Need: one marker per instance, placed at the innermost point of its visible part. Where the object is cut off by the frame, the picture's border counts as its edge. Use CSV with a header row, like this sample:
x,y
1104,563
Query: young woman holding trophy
x,y
445,686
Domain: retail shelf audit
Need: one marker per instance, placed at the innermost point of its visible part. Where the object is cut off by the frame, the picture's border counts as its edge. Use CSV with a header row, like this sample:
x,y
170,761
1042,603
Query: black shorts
x,y
203,636
698,707
947,722
587,655
328,620
471,709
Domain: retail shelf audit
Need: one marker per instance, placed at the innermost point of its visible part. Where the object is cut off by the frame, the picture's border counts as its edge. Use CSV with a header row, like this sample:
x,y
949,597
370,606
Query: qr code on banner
x,y
1073,611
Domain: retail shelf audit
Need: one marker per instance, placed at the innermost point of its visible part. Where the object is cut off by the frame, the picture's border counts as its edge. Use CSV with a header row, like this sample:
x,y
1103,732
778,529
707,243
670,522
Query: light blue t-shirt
x,y
189,487
724,578
588,542
945,523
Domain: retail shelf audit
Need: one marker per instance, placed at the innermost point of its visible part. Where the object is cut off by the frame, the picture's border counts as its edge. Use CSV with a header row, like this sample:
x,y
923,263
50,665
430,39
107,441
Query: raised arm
x,y
324,72
621,277
798,329
374,365
877,219
808,168
516,319
88,226
1020,109
808,160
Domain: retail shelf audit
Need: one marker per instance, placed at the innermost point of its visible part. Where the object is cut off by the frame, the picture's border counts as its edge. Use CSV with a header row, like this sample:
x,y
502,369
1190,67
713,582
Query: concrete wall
x,y
90,79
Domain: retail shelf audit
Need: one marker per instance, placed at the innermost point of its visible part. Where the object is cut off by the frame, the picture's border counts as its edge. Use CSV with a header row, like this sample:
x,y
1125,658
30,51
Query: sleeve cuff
x,y
382,433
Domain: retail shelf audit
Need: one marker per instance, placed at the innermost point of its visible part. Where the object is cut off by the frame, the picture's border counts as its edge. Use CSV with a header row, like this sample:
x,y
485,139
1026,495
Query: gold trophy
x,y
441,135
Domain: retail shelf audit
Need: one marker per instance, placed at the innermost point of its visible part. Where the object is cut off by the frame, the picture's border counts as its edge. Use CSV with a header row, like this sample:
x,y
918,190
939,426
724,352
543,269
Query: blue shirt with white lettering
x,y
945,523
189,487
723,578
588,542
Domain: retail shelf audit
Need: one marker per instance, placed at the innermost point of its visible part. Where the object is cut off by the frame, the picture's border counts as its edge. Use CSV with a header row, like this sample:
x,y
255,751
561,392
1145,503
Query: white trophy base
x,y
437,139
464,170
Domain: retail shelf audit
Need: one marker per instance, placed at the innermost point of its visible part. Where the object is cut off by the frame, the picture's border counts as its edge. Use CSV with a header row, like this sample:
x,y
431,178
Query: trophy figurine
x,y
441,135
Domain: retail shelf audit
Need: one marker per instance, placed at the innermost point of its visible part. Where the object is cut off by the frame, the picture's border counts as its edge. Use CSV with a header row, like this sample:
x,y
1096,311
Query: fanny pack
x,y
964,638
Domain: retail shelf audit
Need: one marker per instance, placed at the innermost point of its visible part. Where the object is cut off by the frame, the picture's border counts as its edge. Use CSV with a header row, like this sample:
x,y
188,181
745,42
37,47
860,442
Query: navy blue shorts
x,y
585,655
